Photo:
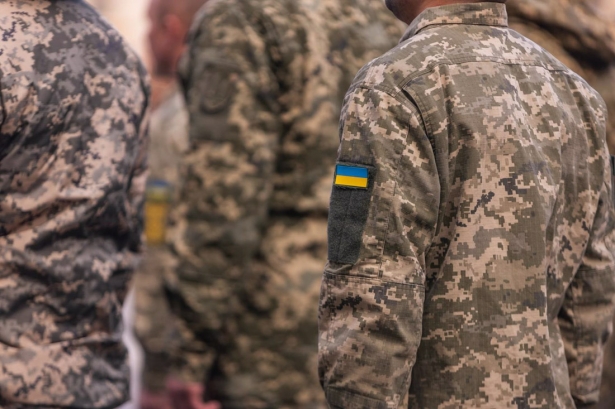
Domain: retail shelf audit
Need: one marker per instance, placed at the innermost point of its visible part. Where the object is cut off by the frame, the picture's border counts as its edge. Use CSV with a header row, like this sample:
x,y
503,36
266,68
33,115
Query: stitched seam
x,y
367,278
471,59
386,230
337,398
397,87
429,132
420,106
428,26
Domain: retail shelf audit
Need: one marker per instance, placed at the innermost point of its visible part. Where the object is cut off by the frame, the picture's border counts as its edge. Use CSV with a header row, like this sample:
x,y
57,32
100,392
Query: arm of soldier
x,y
586,315
226,174
191,357
372,294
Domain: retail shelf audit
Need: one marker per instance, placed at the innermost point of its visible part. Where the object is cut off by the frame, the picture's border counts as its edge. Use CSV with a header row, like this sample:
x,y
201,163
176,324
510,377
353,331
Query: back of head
x,y
170,21
184,9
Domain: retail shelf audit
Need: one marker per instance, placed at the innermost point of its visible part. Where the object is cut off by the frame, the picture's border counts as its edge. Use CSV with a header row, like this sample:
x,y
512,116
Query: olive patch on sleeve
x,y
348,211
217,88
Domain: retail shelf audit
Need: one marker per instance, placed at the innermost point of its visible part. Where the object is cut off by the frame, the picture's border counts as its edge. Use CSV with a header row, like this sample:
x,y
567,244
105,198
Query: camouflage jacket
x,y
471,226
72,175
264,82
576,34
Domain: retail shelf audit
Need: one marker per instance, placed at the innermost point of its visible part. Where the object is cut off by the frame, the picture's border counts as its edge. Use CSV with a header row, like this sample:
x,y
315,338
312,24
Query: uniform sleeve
x,y
372,293
587,312
226,179
138,178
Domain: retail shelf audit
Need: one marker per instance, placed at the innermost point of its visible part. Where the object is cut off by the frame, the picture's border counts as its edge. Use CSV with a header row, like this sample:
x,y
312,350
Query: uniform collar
x,y
482,14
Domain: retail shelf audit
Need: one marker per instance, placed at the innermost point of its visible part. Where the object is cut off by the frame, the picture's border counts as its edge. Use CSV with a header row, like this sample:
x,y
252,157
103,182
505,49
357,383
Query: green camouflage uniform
x,y
72,176
471,258
264,82
153,320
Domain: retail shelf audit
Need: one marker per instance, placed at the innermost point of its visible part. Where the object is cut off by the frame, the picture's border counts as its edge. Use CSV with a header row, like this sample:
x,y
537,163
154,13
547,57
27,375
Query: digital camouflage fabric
x,y
484,275
72,175
154,323
582,36
577,34
264,82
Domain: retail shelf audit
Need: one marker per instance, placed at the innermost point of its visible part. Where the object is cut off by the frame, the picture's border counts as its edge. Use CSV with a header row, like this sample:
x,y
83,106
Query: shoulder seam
x,y
458,61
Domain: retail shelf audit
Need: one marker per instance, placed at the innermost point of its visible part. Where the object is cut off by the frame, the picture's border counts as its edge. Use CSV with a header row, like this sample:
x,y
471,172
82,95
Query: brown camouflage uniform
x,y
153,319
579,35
576,34
264,82
471,261
72,176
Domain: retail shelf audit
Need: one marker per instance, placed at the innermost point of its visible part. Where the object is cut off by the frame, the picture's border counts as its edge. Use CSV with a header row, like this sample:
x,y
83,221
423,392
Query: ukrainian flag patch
x,y
351,176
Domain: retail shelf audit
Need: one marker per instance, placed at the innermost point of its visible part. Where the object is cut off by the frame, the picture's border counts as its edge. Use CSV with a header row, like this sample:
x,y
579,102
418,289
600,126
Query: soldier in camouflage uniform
x,y
72,177
169,24
264,82
153,321
471,229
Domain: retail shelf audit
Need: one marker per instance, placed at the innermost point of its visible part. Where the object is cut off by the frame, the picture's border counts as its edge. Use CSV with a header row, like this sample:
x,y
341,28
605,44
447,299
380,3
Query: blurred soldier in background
x,y
264,82
169,23
72,178
581,34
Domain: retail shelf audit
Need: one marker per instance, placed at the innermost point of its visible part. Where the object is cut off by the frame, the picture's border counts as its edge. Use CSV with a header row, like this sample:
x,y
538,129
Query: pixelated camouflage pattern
x,y
578,34
153,319
264,82
582,36
72,176
485,275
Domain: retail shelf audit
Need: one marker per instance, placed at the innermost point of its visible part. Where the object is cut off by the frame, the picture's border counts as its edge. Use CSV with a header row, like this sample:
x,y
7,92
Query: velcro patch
x,y
351,176
349,210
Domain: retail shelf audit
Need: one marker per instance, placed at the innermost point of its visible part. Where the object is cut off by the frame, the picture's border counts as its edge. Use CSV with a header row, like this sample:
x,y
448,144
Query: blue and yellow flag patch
x,y
351,176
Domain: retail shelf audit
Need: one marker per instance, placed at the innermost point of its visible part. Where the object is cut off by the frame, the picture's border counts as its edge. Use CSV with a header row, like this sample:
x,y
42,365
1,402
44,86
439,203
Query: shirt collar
x,y
482,14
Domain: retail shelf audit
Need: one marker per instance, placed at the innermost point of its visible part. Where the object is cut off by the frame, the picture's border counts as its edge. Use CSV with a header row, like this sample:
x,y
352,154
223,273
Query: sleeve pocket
x,y
348,212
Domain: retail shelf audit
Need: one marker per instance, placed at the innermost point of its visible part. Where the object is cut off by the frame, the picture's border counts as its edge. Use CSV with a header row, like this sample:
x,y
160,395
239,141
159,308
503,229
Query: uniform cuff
x,y
193,367
156,368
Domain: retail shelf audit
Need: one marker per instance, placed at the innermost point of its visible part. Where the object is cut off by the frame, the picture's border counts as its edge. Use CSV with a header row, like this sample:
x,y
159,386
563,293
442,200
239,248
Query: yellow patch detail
x,y
350,181
155,222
